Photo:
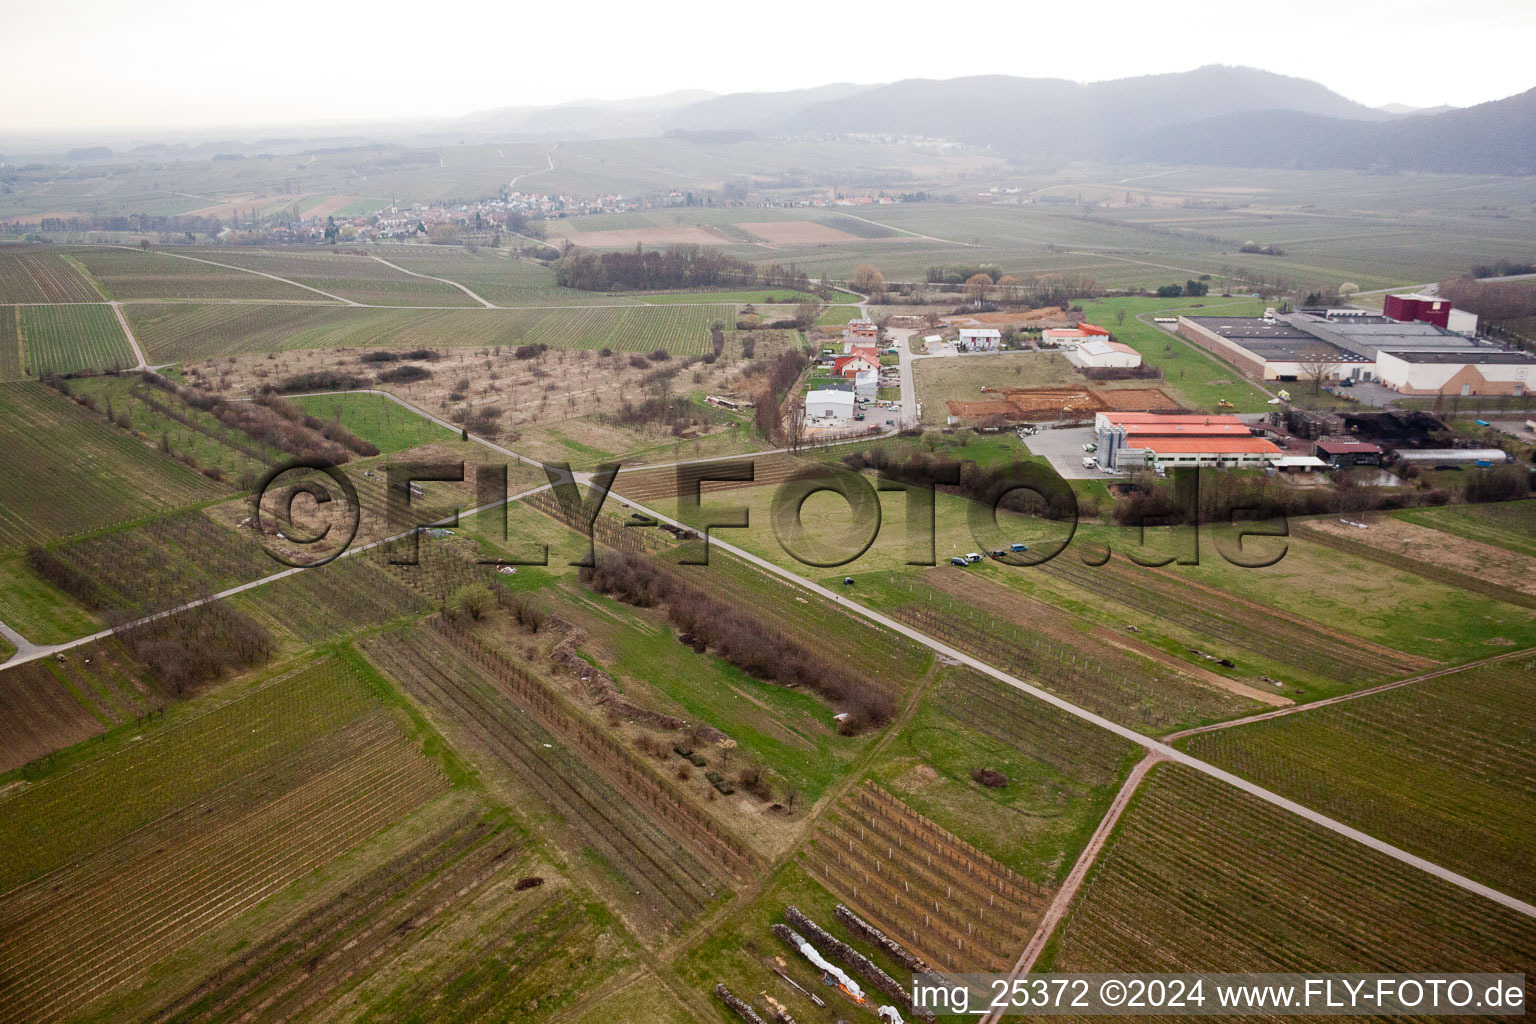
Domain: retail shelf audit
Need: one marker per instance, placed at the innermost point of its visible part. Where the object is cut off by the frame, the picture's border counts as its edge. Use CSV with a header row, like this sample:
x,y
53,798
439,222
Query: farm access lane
x,y
122,321
1062,901
441,280
1151,745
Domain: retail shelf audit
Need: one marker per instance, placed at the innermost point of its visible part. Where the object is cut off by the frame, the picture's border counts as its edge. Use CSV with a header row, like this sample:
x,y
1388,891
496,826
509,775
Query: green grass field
x,y
68,339
37,610
375,418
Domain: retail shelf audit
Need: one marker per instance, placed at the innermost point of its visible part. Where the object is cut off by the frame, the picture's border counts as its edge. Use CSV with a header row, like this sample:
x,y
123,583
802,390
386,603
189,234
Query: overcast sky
x,y
73,64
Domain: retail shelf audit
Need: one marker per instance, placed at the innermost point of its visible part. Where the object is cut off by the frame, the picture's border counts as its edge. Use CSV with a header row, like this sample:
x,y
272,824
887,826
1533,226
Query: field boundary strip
x,y
1425,677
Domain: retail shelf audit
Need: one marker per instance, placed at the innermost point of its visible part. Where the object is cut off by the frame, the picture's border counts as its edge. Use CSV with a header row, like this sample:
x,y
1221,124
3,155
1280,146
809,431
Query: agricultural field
x,y
1418,613
125,274
10,345
33,275
1439,767
72,472
1060,773
360,279
50,705
183,332
178,428
225,804
875,851
1122,680
1201,877
495,277
445,778
70,339
483,702
164,562
341,598
789,732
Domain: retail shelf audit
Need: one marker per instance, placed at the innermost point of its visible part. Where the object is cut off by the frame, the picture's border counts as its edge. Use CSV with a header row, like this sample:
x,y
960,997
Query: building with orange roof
x,y
1129,440
1072,335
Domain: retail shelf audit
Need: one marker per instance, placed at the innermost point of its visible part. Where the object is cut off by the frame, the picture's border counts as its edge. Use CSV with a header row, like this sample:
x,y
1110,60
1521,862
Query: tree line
x,y
741,638
679,266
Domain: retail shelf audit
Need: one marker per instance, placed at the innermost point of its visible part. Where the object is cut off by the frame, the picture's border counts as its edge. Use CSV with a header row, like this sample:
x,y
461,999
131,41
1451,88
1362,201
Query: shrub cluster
x,y
319,380
990,777
198,645
407,374
1142,372
740,638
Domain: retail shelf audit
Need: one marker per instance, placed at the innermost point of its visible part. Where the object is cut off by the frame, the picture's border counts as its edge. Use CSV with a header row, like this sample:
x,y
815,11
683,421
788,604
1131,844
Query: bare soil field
x,y
1046,316
629,237
1137,399
328,205
796,232
1437,549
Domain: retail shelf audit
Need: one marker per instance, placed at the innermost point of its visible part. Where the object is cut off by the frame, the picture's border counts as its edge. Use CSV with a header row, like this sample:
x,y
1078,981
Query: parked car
x,y
972,558
1090,447
1090,462
957,560
1019,547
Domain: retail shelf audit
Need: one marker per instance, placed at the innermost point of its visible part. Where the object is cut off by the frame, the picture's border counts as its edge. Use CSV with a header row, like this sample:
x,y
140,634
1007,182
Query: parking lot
x,y
1064,449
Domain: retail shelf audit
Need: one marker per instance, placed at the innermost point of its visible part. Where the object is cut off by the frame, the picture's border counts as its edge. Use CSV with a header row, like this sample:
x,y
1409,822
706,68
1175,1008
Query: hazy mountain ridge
x,y
1217,114
1491,138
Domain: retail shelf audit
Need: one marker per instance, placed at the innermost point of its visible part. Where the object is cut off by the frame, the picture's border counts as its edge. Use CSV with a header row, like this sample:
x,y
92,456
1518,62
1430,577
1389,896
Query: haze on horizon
x,y
81,65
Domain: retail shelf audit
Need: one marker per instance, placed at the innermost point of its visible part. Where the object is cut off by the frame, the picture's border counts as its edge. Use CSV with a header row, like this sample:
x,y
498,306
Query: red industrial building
x,y
1423,308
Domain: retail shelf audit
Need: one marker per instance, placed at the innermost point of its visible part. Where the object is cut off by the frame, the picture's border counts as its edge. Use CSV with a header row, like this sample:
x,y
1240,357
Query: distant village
x,y
513,213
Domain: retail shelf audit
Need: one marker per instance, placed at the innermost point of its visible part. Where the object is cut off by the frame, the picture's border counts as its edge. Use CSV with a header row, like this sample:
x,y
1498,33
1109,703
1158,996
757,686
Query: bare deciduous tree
x,y
977,286
1317,363
868,280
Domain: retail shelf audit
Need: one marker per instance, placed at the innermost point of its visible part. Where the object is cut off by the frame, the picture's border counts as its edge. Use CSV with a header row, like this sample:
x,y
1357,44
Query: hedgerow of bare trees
x,y
741,638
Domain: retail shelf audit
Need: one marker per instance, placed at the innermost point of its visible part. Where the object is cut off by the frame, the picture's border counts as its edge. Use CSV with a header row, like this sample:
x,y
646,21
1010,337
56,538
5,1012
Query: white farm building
x,y
829,405
1101,353
980,339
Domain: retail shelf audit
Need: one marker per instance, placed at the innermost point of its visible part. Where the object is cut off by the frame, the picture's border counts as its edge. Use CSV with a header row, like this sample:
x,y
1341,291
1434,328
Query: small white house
x,y
866,383
976,339
829,405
